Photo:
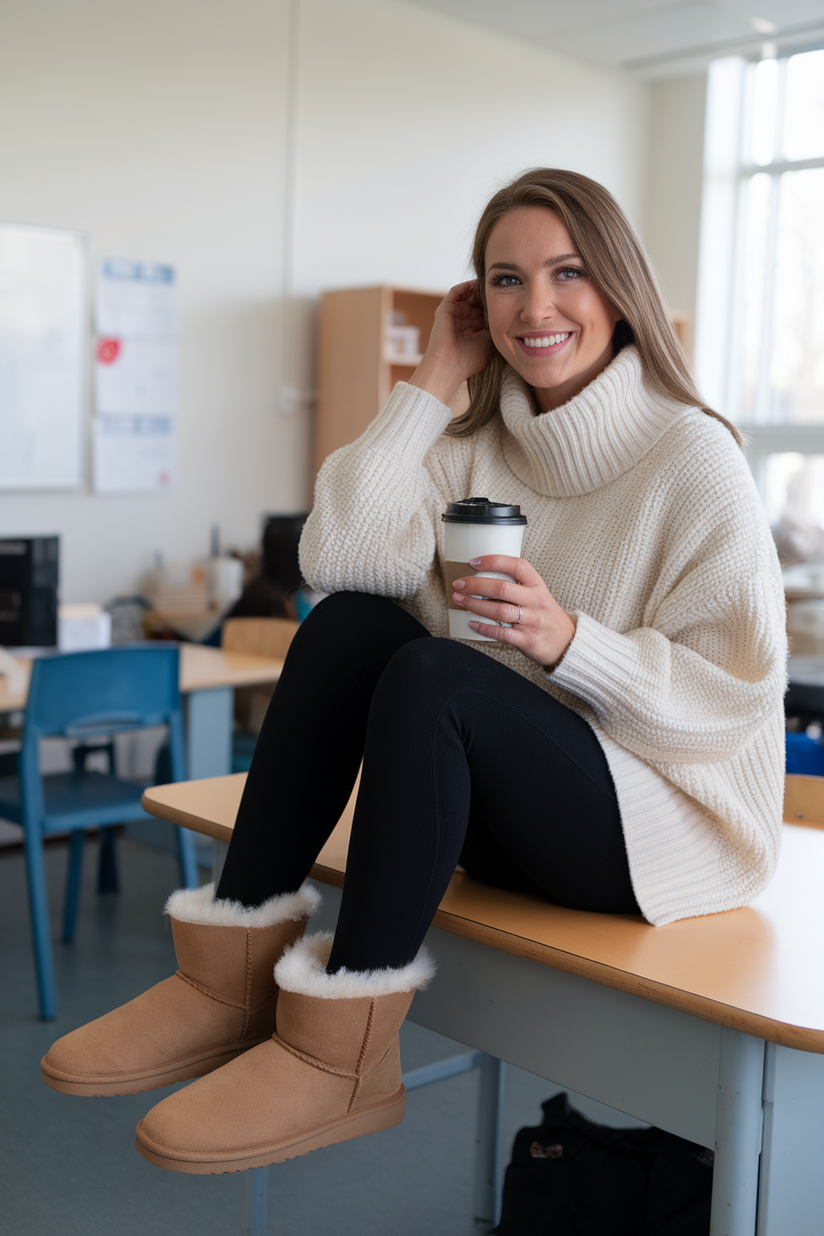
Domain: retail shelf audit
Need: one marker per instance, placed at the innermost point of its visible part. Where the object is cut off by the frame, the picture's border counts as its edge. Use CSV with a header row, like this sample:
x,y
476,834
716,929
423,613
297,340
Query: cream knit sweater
x,y
644,522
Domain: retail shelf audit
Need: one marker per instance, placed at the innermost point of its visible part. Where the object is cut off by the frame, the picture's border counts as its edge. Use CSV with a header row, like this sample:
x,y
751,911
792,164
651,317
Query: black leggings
x,y
464,760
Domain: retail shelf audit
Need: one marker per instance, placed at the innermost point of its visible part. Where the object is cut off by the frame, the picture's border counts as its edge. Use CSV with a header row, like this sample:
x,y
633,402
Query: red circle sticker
x,y
108,350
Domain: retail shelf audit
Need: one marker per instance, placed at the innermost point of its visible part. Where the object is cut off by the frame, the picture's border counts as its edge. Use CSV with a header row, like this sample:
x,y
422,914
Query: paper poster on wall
x,y
43,357
136,299
136,376
134,455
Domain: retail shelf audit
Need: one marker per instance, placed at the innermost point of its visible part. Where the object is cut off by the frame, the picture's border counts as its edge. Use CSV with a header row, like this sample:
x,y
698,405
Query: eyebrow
x,y
563,257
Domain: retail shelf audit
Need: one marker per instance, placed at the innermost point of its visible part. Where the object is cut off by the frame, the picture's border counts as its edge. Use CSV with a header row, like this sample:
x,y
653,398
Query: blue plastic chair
x,y
83,696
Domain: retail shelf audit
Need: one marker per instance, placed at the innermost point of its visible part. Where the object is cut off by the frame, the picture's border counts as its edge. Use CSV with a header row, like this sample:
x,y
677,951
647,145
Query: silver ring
x,y
520,614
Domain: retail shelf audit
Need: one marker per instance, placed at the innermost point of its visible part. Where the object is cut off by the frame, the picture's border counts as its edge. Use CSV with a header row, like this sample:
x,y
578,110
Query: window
x,y
760,319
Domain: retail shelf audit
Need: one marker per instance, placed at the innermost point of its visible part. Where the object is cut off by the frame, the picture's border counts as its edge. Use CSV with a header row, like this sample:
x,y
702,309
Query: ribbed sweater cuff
x,y
411,422
597,666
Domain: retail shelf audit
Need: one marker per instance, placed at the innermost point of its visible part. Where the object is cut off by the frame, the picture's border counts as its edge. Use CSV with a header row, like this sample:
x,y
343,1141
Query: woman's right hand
x,y
459,344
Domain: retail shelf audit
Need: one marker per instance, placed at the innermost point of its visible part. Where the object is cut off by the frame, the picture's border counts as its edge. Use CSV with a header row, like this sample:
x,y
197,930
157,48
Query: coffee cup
x,y
473,528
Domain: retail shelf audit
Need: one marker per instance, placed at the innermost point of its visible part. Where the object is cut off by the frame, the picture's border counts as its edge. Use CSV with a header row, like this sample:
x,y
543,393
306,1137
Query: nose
x,y
538,305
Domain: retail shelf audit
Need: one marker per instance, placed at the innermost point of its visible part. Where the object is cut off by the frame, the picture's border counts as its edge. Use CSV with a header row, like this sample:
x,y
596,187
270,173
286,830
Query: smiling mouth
x,y
543,343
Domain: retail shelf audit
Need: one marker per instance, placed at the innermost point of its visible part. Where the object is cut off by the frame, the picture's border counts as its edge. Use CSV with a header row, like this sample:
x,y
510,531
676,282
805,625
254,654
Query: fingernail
x,y
458,583
474,561
456,597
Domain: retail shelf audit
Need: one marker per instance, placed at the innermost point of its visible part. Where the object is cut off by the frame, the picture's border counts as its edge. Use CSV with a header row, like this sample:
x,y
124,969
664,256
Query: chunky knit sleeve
x,y
374,519
704,669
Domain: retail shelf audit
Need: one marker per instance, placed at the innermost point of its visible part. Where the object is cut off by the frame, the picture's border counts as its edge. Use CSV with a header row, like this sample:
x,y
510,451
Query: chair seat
x,y
77,800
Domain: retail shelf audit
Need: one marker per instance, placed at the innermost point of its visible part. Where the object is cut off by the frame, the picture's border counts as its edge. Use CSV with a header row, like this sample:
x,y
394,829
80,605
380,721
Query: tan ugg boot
x,y
221,1001
331,1072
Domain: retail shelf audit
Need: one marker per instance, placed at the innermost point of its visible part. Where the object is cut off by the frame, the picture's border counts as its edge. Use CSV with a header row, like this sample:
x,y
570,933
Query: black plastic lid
x,y
482,511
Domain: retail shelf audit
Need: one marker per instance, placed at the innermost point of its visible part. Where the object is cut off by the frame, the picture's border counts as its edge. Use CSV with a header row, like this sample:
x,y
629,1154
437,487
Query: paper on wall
x,y
136,376
43,357
136,299
135,454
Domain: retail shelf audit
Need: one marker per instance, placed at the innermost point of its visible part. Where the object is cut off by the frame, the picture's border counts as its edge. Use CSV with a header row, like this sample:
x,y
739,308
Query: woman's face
x,y
546,316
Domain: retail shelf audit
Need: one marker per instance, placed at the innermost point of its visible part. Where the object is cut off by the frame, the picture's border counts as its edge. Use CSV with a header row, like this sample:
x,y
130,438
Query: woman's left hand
x,y
540,629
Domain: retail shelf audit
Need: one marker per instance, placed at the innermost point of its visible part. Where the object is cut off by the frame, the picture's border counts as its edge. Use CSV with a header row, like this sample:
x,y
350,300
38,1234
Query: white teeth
x,y
547,341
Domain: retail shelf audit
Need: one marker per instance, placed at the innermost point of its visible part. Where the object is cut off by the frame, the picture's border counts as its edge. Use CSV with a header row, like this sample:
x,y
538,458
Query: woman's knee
x,y
349,607
358,622
439,663
346,639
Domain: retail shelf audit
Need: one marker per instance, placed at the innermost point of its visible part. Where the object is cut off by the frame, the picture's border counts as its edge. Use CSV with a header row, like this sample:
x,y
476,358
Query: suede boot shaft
x,y
221,1001
330,1072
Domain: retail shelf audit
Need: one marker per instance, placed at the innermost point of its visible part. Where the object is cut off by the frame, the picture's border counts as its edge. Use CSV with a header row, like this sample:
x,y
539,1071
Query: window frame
x,y
720,294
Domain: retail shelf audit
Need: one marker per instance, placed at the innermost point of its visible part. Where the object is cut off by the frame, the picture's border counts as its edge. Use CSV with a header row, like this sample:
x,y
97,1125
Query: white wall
x,y
160,129
675,170
157,128
408,121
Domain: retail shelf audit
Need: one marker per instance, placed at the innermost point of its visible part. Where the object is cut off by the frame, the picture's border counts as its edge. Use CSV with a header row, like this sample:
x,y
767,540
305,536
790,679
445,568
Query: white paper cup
x,y
473,528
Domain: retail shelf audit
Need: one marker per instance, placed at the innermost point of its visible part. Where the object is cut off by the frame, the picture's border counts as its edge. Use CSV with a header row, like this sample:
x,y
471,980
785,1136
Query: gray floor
x,y
68,1165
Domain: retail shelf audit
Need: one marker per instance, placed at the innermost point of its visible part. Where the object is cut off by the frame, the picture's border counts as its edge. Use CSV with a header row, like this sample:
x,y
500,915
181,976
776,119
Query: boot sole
x,y
136,1085
372,1120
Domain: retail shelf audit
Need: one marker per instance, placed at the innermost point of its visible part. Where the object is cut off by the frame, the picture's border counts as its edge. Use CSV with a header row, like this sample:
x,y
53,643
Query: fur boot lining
x,y
198,905
302,969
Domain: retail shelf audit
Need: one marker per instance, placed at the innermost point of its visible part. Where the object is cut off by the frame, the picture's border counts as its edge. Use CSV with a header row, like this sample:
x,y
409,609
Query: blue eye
x,y
505,281
567,274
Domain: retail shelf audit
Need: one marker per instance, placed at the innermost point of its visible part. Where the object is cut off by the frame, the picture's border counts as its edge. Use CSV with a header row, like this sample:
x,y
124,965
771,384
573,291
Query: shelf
x,y
356,368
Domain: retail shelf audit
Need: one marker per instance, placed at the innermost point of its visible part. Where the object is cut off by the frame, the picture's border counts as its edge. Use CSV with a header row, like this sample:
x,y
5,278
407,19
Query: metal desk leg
x,y
791,1193
738,1130
208,736
209,732
255,1195
487,1195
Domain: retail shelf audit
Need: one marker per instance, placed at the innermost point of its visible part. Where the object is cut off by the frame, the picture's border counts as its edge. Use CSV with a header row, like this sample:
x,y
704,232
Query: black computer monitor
x,y
29,576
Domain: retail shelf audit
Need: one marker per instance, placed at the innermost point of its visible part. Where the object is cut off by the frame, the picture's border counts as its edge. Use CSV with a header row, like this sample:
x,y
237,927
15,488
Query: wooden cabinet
x,y
357,364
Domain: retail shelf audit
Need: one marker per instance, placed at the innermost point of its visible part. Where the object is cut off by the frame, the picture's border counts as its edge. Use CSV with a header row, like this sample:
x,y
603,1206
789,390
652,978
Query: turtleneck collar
x,y
593,438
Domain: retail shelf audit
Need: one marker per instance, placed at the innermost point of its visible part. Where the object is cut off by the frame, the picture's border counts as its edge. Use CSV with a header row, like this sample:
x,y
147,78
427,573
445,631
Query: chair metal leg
x,y
487,1193
108,877
40,926
255,1197
441,1070
187,854
73,878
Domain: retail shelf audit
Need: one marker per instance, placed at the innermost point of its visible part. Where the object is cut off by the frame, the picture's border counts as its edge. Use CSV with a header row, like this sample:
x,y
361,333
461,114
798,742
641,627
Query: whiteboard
x,y
43,357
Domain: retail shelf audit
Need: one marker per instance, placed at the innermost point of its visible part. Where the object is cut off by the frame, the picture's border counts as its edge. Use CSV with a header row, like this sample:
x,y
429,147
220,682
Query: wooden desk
x,y
712,1027
208,677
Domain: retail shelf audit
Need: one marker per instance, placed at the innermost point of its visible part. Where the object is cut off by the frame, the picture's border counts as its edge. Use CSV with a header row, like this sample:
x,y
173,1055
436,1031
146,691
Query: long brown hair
x,y
615,260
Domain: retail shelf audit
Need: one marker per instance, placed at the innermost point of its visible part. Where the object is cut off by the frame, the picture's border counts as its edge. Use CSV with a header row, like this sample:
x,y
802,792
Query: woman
x,y
618,747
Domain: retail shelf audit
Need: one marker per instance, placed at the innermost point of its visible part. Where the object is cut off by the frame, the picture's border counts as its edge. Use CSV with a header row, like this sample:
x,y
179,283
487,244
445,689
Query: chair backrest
x,y
266,637
106,691
81,694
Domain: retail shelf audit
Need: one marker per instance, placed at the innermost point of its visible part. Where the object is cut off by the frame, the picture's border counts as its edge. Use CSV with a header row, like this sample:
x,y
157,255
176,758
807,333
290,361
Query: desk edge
x,y
802,1038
